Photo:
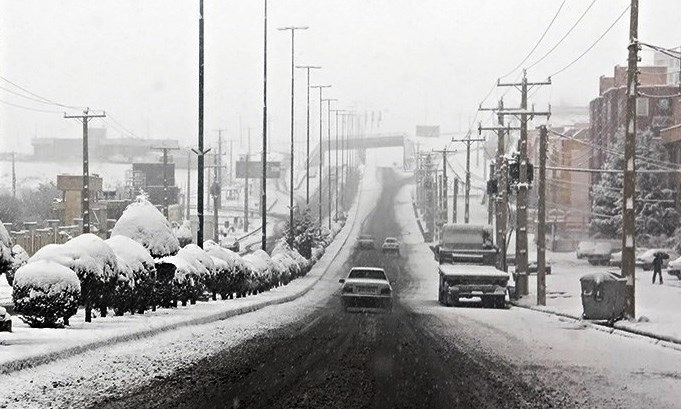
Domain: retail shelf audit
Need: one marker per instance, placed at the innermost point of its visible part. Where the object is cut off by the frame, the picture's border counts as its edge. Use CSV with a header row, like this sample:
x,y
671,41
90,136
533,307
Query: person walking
x,y
657,265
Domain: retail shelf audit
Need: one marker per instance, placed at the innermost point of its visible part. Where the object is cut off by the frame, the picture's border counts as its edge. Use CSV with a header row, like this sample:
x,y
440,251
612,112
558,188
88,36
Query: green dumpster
x,y
603,296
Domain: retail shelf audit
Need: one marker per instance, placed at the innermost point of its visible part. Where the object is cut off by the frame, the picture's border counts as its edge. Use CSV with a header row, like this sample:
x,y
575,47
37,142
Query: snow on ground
x,y
634,371
94,375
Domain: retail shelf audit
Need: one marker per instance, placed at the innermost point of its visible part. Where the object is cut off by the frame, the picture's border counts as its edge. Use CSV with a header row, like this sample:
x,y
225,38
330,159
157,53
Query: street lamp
x,y
328,130
321,150
292,29
307,162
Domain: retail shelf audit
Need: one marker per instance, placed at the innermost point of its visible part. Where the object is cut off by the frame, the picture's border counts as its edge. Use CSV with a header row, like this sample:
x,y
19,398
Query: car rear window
x,y
373,274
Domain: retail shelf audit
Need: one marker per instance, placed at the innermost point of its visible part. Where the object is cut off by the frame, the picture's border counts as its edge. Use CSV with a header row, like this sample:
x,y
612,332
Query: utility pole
x,y
263,179
14,176
337,111
189,174
523,185
444,211
455,200
165,150
85,193
468,141
502,181
292,29
321,146
328,138
248,169
490,200
629,198
219,170
307,160
541,218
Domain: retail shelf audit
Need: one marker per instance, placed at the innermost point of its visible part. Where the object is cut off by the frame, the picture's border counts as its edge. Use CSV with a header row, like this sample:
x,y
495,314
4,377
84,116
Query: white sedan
x,y
366,287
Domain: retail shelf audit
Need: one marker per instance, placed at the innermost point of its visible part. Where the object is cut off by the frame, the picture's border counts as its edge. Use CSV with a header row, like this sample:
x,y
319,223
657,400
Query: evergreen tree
x,y
656,215
305,233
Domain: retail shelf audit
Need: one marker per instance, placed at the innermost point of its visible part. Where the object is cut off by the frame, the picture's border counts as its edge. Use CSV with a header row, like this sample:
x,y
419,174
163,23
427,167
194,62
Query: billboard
x,y
424,131
254,169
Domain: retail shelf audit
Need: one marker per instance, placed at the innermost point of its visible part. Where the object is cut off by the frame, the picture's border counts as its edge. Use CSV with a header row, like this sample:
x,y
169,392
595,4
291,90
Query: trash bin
x,y
603,296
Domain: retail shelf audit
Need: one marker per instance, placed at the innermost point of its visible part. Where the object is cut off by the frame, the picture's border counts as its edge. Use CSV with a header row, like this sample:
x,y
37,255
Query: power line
x,y
46,100
29,108
592,45
538,42
564,36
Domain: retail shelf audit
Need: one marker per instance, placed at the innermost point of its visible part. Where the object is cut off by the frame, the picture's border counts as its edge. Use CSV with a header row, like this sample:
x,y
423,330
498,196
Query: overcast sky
x,y
416,61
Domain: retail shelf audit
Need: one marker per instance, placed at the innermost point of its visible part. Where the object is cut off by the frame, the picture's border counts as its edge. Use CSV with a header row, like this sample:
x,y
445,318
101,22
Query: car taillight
x,y
385,291
347,289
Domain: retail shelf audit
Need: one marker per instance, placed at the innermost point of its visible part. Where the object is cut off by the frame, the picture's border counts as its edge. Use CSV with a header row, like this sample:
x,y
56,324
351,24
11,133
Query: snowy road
x,y
309,353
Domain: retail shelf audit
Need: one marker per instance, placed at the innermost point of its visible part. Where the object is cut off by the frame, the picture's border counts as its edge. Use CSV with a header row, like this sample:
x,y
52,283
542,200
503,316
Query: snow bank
x,y
142,222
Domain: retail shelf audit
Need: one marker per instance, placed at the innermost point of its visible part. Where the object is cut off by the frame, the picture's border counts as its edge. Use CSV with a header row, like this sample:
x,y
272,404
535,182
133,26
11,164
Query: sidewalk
x,y
28,347
657,306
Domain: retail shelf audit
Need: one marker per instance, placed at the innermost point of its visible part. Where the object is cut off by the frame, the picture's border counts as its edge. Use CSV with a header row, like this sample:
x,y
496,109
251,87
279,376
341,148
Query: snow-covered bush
x,y
123,298
261,265
238,279
220,281
284,265
183,233
204,265
19,259
5,250
185,277
95,264
46,294
144,223
138,259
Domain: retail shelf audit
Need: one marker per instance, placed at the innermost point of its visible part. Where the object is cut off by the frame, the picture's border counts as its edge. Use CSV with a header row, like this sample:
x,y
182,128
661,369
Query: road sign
x,y
255,169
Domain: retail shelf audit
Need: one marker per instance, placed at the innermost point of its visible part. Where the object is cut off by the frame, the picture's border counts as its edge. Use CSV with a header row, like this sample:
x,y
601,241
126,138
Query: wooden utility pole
x,y
541,218
490,199
455,200
263,178
328,139
502,181
248,159
14,176
468,141
219,169
629,198
85,193
200,152
189,183
522,283
165,150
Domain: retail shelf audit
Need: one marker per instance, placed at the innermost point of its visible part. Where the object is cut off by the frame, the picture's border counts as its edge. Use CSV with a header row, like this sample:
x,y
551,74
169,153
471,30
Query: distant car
x,y
600,254
365,241
366,287
391,245
674,268
645,260
584,248
230,243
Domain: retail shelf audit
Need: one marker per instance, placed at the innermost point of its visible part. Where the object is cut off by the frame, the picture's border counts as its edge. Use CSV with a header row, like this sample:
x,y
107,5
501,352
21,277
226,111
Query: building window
x,y
641,106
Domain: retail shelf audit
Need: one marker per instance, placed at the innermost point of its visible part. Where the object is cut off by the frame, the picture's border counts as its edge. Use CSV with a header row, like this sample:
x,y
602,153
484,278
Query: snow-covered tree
x,y
305,233
5,250
656,215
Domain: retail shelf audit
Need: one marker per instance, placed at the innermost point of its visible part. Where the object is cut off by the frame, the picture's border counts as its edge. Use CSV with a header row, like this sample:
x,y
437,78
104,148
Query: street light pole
x,y
307,161
328,138
293,83
321,150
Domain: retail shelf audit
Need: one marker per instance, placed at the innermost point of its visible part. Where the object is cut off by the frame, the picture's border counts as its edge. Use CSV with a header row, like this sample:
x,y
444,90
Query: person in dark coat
x,y
657,265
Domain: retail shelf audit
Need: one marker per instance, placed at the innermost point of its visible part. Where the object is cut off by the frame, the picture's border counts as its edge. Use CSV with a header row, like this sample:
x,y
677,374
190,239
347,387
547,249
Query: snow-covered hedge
x,y
144,223
5,250
138,259
46,294
202,262
183,233
19,259
123,298
237,279
261,265
95,264
185,286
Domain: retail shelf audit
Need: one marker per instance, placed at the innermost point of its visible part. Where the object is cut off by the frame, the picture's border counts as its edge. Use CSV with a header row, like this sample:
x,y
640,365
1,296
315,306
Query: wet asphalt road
x,y
338,359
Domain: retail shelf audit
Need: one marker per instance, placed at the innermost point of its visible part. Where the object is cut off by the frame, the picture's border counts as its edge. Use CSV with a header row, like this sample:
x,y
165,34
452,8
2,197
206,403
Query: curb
x,y
661,340
41,359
